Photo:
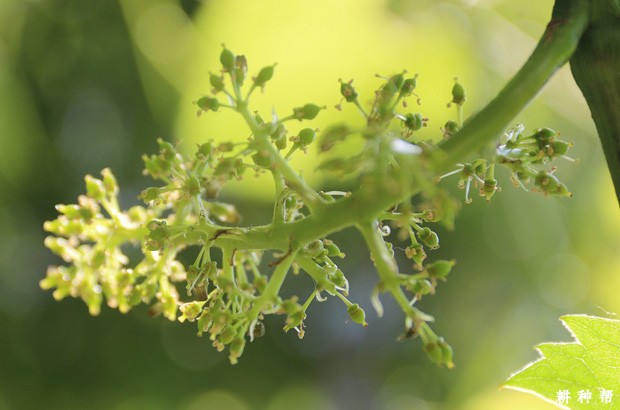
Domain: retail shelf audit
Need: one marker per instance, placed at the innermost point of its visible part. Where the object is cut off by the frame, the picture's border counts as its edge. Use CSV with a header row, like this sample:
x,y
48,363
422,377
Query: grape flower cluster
x,y
228,293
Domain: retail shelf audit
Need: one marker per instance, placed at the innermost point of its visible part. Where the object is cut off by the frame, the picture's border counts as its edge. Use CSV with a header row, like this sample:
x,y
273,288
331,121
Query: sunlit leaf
x,y
584,374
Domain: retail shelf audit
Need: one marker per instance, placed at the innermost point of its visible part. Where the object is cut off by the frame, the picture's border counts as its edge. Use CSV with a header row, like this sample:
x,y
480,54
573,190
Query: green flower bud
x,y
416,253
208,104
489,188
236,349
204,151
544,136
440,269
434,352
241,69
263,76
190,311
332,249
94,188
109,182
217,82
338,279
160,234
294,320
420,287
357,314
149,194
306,136
204,323
559,147
409,86
154,224
167,152
227,335
347,91
290,306
550,185
414,122
307,112
290,204
230,167
391,87
458,93
227,58
192,186
314,249
226,147
262,159
446,353
547,182
429,238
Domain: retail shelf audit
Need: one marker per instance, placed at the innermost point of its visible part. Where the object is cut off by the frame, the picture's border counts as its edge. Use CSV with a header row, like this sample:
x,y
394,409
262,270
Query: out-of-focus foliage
x,y
90,84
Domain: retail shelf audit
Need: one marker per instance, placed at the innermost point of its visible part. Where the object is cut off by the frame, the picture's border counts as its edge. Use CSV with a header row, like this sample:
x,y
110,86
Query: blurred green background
x,y
86,84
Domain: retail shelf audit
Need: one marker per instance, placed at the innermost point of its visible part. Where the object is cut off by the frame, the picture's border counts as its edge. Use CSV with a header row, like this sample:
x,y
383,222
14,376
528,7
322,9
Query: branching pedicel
x,y
229,298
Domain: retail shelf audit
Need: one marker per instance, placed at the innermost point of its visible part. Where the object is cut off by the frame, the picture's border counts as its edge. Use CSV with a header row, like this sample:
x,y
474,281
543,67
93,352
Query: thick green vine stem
x,y
228,292
596,68
558,43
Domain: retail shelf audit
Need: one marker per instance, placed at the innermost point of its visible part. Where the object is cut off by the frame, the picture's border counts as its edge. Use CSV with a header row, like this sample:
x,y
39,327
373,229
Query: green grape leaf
x,y
584,374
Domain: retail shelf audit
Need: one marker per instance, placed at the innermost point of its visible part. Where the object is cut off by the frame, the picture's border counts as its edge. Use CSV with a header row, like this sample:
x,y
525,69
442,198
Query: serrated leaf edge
x,y
543,357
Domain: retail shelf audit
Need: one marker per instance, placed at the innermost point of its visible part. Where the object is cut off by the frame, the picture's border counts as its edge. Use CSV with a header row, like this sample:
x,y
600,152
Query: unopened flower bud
x,y
264,75
357,314
306,136
227,58
307,112
458,93
440,269
429,238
